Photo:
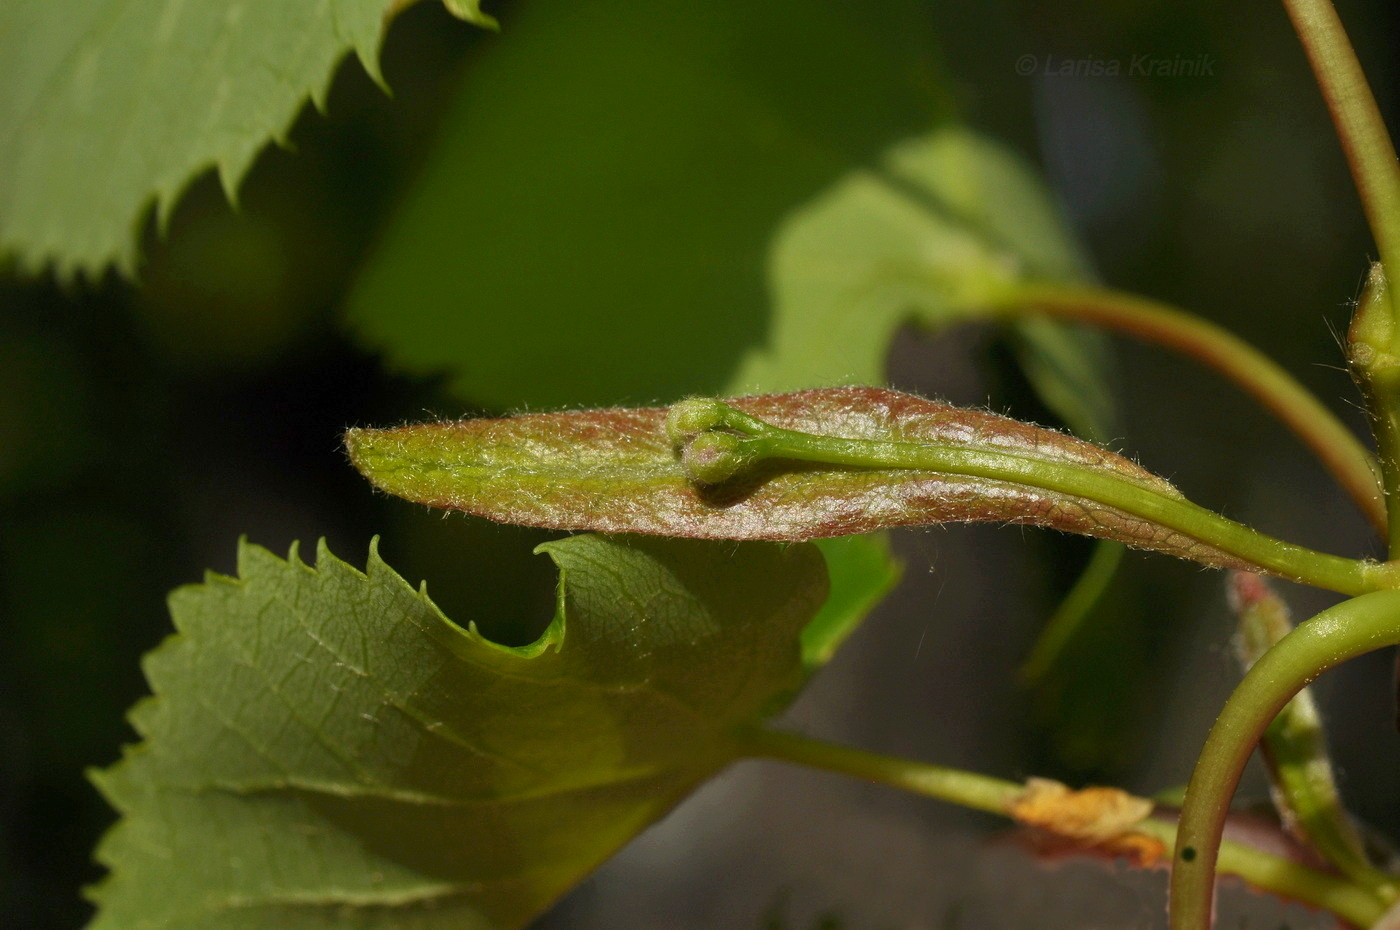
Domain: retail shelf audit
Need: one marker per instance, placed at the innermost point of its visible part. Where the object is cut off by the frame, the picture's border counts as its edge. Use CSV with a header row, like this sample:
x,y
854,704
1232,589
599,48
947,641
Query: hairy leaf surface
x,y
615,470
656,256
110,105
326,749
628,220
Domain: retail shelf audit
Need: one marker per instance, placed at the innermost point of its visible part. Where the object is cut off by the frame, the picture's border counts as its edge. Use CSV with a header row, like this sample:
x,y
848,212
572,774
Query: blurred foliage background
x,y
576,211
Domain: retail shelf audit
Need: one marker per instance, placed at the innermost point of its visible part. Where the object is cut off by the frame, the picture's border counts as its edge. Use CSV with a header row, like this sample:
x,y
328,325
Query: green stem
x,y
1387,430
1065,622
1294,747
1369,150
1348,576
996,796
1336,446
965,789
1350,629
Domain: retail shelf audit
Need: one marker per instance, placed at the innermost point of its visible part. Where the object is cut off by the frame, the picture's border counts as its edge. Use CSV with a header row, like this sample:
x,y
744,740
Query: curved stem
x,y
1354,904
996,796
1334,444
1294,748
1351,628
1175,513
1369,150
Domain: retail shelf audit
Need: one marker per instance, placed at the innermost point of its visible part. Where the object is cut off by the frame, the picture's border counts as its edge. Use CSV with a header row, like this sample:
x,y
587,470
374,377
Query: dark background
x,y
144,427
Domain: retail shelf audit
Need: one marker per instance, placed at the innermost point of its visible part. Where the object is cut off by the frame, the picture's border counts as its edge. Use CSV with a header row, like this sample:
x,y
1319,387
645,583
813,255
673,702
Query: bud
x,y
1373,347
714,458
1373,340
688,418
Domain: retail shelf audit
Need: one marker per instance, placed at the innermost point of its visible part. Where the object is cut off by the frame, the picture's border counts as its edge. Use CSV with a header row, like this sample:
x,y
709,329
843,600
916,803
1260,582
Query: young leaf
x,y
710,469
919,238
109,105
326,749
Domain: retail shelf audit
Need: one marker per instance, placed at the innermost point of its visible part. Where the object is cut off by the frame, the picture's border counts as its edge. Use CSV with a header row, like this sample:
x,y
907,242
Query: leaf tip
x,y
470,11
324,557
229,177
245,552
351,439
369,60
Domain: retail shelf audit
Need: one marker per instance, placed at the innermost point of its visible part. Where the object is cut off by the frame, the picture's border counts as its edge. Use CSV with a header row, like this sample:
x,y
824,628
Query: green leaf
x,y
609,178
326,749
110,105
941,224
862,570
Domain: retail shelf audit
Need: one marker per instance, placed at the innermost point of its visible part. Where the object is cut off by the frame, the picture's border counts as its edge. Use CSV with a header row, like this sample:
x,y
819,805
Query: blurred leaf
x,y
46,409
1069,366
862,570
111,105
325,748
592,223
229,290
943,222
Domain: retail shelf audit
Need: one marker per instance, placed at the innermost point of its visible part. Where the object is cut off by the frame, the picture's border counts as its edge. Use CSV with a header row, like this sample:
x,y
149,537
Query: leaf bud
x,y
688,418
1373,340
714,458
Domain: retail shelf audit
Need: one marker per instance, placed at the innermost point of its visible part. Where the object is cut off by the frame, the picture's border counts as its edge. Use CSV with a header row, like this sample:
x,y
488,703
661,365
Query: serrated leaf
x,y
109,106
326,749
616,470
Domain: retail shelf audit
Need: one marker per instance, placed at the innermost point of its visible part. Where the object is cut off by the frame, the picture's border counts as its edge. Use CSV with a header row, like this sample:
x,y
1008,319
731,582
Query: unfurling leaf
x,y
618,470
326,749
